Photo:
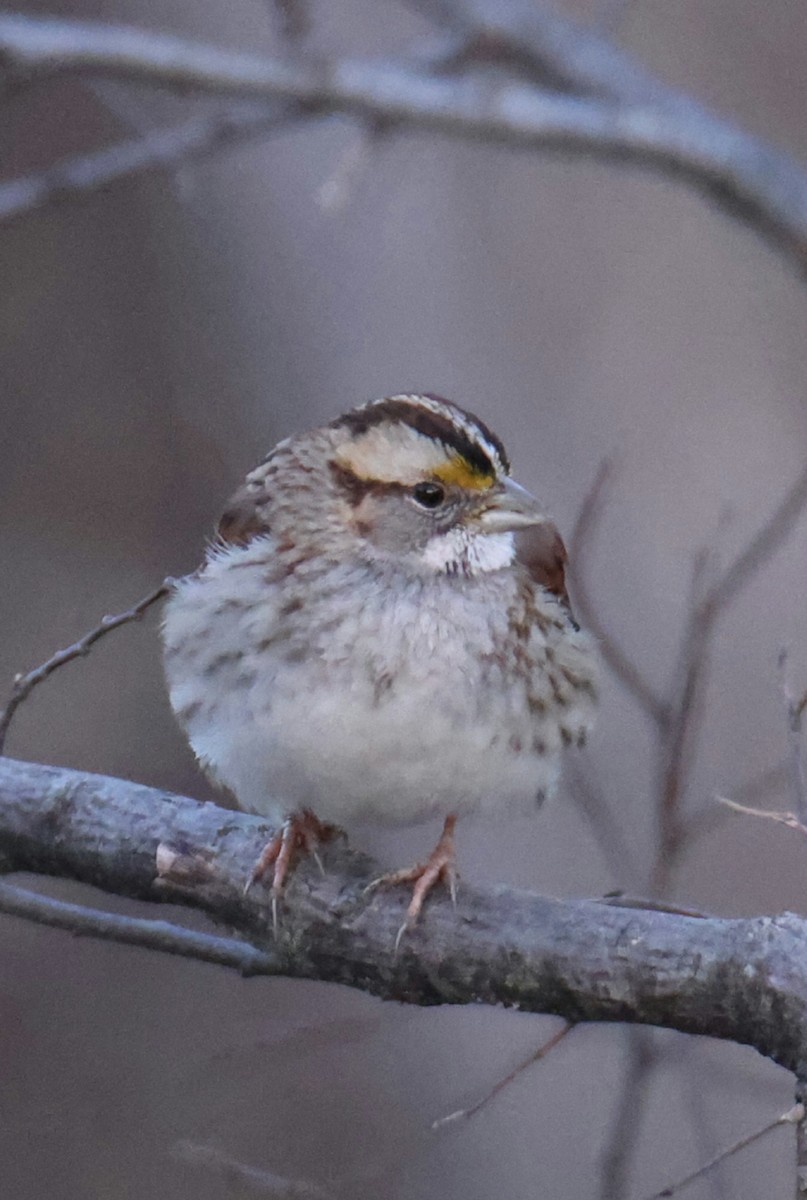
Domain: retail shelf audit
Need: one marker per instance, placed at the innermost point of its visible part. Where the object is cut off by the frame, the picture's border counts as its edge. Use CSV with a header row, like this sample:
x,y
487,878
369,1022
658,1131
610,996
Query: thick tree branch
x,y
745,980
636,121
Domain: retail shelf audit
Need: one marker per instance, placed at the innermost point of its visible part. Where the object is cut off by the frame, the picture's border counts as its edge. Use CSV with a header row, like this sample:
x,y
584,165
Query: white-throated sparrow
x,y
381,632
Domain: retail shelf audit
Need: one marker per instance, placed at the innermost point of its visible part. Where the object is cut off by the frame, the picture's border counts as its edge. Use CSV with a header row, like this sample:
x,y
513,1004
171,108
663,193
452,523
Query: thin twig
x,y
676,745
780,818
792,1117
162,936
707,606
642,1059
648,904
762,546
700,1112
296,22
24,684
709,818
256,1180
158,149
801,1140
463,1114
794,709
604,826
334,193
623,669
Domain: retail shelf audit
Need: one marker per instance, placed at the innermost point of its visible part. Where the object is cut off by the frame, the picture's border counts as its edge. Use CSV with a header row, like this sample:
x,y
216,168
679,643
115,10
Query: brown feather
x,y
541,550
243,517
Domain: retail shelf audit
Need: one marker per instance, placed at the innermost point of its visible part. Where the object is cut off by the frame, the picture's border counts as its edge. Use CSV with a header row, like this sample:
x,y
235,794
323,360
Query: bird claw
x,y
439,867
300,832
399,935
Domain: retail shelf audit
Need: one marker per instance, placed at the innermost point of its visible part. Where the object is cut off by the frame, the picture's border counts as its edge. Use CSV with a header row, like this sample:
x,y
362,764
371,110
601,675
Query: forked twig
x,y
708,604
24,684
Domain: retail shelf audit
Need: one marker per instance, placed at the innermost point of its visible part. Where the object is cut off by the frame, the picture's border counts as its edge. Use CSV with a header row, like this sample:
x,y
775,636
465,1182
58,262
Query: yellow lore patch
x,y
458,472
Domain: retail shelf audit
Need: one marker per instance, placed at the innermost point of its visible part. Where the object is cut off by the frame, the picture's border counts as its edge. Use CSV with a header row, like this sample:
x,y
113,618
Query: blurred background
x,y
156,340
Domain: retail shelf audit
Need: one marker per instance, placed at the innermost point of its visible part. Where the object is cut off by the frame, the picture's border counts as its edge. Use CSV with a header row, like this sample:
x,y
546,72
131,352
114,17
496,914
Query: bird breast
x,y
367,702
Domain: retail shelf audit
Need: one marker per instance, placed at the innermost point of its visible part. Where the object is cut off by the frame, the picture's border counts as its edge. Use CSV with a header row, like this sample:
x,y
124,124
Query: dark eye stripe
x,y
356,488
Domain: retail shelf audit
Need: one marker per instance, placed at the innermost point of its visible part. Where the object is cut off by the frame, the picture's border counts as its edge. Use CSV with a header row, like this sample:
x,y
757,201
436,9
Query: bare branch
x,y
641,1061
623,669
295,18
677,744
801,1140
557,52
676,747
792,1117
464,1114
255,1180
133,931
159,149
700,1111
781,818
603,824
579,960
794,708
334,193
638,123
761,547
25,684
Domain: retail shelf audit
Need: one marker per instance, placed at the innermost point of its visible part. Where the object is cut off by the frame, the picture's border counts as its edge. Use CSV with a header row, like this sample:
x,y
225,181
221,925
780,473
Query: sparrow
x,y
381,632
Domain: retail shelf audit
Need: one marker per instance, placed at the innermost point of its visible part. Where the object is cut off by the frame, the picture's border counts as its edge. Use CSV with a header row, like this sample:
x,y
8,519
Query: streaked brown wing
x,y
243,518
541,550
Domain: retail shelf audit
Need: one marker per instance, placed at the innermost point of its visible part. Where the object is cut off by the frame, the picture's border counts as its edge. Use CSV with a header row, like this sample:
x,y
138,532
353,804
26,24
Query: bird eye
x,y
429,495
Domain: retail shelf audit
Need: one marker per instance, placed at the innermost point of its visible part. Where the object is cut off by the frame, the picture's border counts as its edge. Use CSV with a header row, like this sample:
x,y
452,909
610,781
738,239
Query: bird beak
x,y
511,507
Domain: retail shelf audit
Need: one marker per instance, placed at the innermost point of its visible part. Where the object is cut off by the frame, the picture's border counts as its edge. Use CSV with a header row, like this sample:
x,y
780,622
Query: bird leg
x,y
303,832
439,867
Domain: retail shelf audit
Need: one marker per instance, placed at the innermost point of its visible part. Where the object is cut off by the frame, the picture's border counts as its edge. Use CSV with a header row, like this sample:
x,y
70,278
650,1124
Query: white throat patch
x,y
462,551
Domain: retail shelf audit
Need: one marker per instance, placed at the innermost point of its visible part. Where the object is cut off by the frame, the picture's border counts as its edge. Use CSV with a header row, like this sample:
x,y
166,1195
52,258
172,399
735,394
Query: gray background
x,y
156,341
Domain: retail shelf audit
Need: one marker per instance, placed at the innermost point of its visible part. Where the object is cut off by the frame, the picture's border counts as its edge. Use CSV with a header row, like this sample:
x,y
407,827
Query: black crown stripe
x,y
430,424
